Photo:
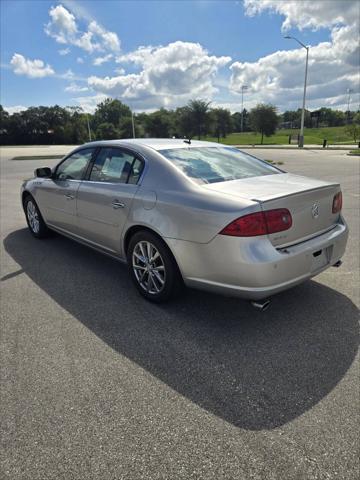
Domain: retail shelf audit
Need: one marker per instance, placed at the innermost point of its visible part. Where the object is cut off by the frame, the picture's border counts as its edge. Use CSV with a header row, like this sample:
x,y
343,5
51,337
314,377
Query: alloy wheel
x,y
149,267
33,217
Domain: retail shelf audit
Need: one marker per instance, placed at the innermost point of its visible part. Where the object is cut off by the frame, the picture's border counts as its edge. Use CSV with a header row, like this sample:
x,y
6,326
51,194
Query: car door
x,y
57,195
105,197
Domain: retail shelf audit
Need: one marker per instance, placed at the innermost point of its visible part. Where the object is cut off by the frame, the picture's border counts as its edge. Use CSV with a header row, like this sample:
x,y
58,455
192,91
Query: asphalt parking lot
x,y
99,384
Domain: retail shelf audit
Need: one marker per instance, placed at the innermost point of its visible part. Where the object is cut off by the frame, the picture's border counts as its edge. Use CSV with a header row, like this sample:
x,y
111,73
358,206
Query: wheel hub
x,y
33,217
148,267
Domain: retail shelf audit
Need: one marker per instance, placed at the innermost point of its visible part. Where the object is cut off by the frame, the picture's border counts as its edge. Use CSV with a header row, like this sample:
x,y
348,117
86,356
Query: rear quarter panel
x,y
186,215
175,207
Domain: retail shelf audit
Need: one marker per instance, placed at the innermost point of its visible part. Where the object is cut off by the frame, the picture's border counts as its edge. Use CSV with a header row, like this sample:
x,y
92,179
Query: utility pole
x,y
301,136
133,123
243,87
88,125
349,92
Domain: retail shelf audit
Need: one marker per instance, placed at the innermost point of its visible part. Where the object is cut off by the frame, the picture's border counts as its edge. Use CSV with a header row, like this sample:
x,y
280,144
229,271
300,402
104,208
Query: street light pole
x,y
349,92
301,136
88,125
243,87
133,123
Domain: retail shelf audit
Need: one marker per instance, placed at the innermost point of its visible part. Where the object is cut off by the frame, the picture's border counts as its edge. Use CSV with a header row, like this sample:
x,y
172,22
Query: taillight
x,y
337,203
259,223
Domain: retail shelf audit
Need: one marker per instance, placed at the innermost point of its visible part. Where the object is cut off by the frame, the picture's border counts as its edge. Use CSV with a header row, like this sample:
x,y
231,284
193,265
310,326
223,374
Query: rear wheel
x,y
35,222
153,268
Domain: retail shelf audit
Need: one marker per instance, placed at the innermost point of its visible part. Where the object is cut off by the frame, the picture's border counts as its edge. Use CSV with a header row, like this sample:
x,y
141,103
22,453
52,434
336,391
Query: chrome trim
x,y
116,204
261,305
306,239
87,243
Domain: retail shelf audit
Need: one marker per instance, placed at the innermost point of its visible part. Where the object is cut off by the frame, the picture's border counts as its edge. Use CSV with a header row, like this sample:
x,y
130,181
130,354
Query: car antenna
x,y
188,141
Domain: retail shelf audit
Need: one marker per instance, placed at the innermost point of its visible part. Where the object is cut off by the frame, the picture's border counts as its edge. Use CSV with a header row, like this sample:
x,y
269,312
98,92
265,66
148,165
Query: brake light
x,y
337,203
259,223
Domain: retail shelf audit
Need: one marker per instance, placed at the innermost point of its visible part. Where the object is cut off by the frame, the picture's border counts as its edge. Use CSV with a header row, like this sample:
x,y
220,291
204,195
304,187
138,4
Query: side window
x,y
136,170
74,167
112,165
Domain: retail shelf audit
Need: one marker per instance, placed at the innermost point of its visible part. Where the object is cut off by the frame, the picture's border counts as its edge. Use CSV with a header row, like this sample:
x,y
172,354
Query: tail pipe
x,y
338,264
261,305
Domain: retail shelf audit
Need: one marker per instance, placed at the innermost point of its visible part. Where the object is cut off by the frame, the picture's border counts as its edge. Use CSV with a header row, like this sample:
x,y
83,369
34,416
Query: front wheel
x,y
153,268
35,222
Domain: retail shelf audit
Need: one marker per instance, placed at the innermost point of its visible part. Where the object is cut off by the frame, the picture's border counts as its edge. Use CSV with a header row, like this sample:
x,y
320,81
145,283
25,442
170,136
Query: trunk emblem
x,y
315,210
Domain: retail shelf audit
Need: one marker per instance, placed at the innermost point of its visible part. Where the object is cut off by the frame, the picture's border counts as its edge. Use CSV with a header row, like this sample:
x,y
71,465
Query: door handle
x,y
68,196
116,204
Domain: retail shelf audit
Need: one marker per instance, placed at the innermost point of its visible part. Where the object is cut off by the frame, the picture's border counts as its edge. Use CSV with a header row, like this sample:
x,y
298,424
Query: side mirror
x,y
44,172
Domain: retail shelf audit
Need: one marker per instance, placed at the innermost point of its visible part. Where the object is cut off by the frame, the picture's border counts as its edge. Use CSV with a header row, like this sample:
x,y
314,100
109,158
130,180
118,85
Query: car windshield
x,y
217,164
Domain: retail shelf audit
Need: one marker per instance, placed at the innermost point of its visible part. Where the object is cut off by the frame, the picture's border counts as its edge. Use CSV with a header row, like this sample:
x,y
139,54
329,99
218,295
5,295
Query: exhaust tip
x,y
338,264
261,305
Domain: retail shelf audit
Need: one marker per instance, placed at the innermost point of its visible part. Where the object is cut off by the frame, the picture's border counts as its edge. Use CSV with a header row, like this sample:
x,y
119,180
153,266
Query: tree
x,y
76,129
141,124
264,119
4,124
236,121
353,129
184,123
159,124
126,128
107,131
222,122
332,118
199,116
111,111
293,117
4,117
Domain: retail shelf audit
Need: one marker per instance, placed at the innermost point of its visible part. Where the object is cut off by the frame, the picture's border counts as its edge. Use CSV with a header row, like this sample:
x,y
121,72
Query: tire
x,y
158,280
35,222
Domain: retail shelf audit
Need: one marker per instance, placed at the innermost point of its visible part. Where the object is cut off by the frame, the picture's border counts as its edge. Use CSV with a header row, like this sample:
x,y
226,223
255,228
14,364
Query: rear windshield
x,y
217,164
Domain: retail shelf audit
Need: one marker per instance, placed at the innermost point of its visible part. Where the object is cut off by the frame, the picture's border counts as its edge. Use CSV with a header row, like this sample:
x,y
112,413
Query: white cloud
x,y
138,56
170,76
68,75
78,9
64,29
109,39
333,66
62,25
308,13
100,60
85,41
89,103
80,60
64,51
73,87
15,109
30,68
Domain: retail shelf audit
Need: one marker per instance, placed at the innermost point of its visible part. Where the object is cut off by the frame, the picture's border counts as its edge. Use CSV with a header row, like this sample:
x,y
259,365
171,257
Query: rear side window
x,y
136,171
112,165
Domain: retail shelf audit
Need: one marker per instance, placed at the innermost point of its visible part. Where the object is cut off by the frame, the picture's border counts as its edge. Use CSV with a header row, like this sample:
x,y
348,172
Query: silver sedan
x,y
195,213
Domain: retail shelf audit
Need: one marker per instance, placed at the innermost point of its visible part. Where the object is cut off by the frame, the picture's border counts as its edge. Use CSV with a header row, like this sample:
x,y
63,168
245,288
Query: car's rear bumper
x,y
253,268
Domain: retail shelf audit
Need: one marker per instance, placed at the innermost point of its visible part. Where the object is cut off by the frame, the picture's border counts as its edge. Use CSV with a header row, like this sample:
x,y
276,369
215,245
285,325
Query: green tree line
x,y
113,119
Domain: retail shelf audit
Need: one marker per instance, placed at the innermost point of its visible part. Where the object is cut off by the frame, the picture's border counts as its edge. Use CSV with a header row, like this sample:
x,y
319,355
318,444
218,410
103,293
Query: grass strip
x,y
355,153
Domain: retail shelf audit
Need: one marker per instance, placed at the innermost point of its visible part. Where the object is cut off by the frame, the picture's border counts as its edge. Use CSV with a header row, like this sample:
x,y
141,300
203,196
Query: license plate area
x,y
321,258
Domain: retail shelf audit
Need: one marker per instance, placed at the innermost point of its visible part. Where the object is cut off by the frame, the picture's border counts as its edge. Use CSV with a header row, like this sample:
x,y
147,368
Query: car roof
x,y
155,143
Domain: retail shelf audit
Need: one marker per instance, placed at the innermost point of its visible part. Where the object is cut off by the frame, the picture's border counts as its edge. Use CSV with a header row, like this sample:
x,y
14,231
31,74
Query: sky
x,y
153,54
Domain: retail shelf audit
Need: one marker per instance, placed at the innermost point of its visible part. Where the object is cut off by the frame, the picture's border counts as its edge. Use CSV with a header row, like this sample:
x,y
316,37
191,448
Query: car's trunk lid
x,y
308,200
